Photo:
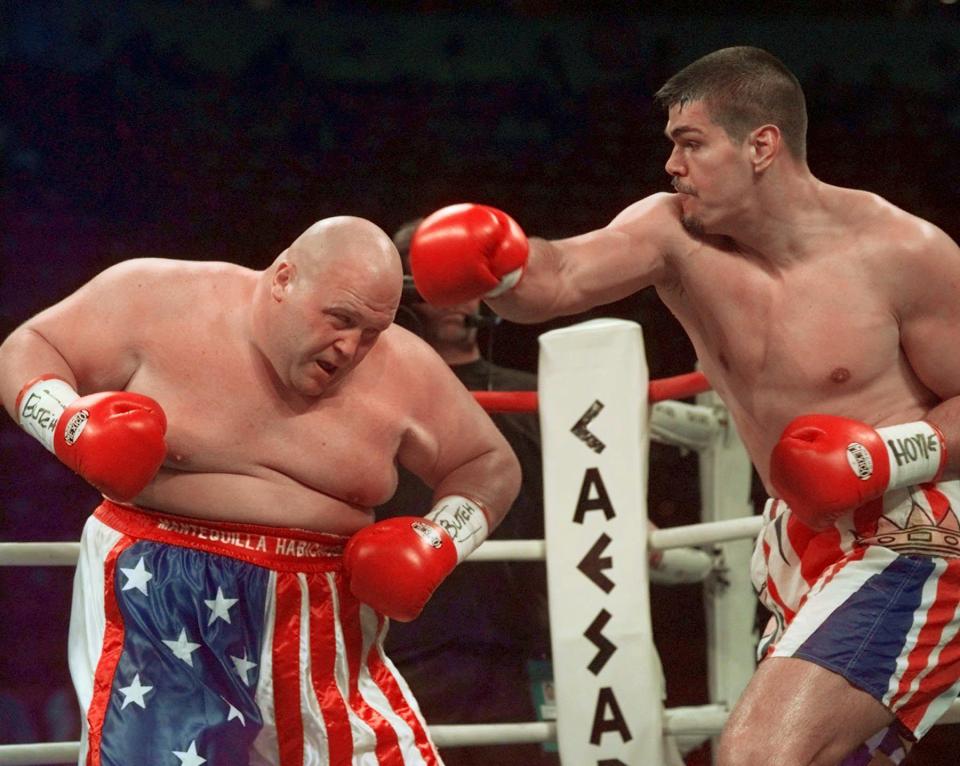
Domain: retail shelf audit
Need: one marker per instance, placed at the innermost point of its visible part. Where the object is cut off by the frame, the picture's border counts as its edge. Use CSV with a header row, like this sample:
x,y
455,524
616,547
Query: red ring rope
x,y
677,387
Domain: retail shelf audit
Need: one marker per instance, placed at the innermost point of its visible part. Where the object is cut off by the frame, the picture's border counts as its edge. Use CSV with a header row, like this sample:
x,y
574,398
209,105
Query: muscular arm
x,y
451,443
929,315
569,276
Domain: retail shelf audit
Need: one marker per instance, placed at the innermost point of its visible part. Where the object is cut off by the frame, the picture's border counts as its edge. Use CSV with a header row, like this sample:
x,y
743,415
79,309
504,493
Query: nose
x,y
347,343
674,166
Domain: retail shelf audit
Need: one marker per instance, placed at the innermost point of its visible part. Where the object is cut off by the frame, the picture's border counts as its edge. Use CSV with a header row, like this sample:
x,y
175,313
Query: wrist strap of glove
x,y
507,282
40,404
464,520
917,452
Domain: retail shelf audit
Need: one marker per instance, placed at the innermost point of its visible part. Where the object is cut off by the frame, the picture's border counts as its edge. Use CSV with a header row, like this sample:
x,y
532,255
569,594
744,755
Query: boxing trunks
x,y
874,598
222,643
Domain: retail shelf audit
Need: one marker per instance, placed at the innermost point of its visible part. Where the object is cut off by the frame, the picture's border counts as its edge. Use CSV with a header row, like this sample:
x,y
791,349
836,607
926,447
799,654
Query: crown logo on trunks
x,y
920,534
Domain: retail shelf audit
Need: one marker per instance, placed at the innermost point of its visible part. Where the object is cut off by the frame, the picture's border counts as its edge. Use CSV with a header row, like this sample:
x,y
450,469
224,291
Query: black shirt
x,y
486,605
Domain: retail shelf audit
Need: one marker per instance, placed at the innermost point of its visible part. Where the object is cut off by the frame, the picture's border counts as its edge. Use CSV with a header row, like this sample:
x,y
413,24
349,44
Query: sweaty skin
x,y
798,296
289,394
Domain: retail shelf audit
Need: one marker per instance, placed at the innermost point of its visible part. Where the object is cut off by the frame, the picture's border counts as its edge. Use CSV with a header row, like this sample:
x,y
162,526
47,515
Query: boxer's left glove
x,y
113,439
394,565
464,252
824,465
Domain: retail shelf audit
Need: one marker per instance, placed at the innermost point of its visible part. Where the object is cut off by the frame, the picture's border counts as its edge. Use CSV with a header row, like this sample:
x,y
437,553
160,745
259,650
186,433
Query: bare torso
x,y
240,446
819,335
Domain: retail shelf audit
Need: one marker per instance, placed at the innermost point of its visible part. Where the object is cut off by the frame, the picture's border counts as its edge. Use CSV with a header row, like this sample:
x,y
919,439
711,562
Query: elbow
x,y
508,479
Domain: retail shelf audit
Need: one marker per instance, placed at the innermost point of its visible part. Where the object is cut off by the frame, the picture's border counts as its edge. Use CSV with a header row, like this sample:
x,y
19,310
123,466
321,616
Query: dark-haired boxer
x,y
231,595
826,318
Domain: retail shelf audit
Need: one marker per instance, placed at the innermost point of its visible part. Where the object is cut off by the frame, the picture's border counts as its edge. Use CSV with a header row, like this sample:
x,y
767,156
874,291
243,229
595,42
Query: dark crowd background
x,y
220,130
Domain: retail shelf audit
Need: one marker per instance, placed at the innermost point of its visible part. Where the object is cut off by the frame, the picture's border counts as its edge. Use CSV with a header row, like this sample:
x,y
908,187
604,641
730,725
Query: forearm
x,y
946,417
24,355
536,297
492,479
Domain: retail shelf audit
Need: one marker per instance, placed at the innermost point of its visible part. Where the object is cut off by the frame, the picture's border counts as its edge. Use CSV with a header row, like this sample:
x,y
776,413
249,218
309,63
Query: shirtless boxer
x,y
818,313
242,425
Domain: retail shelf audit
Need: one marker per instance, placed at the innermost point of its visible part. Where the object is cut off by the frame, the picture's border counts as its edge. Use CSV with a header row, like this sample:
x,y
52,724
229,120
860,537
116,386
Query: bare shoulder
x,y
167,284
406,355
154,273
907,254
657,220
661,211
403,363
135,294
889,228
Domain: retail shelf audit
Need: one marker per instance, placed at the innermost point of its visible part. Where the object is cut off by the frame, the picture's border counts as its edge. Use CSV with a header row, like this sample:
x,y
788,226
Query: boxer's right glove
x,y
824,465
395,565
464,252
114,439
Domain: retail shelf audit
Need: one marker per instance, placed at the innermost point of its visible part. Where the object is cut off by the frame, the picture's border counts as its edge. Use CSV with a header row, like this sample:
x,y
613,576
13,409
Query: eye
x,y
341,320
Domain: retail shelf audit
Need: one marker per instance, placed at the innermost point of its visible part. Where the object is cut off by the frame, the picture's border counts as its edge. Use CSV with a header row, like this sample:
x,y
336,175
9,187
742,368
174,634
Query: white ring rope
x,y
688,535
696,720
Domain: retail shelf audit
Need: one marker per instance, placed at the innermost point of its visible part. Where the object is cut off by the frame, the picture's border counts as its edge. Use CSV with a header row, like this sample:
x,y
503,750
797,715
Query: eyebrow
x,y
680,130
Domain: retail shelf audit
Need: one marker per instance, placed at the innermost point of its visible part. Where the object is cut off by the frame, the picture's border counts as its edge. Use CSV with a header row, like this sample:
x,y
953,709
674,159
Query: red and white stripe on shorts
x,y
324,690
877,600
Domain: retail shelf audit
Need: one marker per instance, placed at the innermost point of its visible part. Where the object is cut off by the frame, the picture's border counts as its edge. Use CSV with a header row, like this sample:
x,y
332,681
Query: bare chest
x,y
225,416
782,344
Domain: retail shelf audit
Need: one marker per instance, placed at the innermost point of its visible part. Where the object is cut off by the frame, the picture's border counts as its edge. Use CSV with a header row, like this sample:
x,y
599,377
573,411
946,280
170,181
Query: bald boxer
x,y
827,320
232,592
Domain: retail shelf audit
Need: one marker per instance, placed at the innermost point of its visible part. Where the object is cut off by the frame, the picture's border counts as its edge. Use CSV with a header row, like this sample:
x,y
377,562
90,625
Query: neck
x,y
785,223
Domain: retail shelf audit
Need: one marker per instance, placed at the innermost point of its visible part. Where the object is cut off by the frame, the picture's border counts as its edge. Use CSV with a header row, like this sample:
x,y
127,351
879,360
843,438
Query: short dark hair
x,y
401,240
743,87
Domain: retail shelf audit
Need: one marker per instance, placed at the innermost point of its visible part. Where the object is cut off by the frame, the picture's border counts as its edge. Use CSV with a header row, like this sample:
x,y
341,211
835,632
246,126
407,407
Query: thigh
x,y
795,711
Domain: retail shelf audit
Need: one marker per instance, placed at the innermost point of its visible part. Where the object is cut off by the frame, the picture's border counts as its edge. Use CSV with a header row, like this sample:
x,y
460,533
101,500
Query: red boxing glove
x,y
464,252
396,564
824,465
114,440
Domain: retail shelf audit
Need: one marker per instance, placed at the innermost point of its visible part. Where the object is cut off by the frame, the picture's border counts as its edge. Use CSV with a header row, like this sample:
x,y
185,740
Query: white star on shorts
x,y
182,648
234,713
134,693
219,607
190,757
138,577
243,666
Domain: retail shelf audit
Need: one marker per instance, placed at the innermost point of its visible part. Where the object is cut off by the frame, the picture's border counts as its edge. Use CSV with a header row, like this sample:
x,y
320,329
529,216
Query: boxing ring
x,y
598,413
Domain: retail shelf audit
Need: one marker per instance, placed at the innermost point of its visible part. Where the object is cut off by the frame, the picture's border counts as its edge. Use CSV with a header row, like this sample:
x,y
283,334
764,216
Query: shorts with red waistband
x,y
875,599
196,641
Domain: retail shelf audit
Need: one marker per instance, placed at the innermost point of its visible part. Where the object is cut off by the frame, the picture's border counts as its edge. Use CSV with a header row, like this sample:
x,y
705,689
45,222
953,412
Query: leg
x,y
797,713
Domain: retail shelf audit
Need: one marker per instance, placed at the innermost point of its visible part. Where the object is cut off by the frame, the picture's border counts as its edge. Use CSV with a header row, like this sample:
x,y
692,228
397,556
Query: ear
x,y
283,278
765,144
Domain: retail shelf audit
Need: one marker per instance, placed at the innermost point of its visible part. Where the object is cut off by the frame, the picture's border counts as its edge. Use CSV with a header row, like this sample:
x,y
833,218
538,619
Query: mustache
x,y
683,189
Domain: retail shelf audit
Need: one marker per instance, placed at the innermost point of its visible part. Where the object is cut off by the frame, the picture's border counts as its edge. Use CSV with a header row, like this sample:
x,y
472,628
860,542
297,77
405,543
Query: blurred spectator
x,y
15,725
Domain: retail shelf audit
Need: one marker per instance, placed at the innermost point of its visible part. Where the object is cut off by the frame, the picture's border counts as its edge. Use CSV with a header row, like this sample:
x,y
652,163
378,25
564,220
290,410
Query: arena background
x,y
220,130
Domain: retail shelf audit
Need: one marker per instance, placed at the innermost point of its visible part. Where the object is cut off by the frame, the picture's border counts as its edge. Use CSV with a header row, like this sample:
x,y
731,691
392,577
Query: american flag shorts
x,y
196,642
887,622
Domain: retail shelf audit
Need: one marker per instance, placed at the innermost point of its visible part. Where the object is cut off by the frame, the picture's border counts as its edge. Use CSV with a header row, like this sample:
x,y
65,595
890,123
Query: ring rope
x,y
694,720
678,387
688,535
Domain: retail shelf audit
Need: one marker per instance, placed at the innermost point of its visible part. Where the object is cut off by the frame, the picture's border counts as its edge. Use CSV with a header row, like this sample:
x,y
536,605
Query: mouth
x,y
681,189
327,367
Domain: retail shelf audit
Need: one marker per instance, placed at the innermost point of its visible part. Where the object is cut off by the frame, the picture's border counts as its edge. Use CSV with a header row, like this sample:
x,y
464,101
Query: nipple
x,y
840,375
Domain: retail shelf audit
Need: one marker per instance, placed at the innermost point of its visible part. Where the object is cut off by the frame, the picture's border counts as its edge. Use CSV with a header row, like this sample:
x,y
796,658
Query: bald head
x,y
325,301
344,241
